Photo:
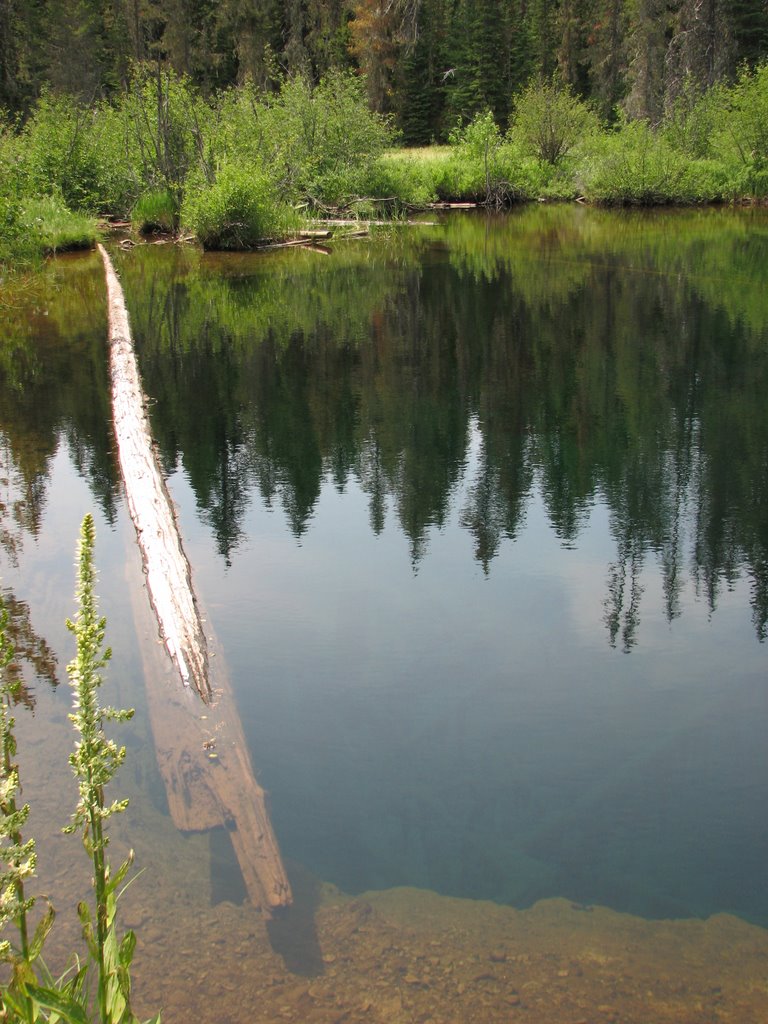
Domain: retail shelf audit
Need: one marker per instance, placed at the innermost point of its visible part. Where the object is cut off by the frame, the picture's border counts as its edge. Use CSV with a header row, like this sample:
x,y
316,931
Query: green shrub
x,y
318,143
121,177
403,176
742,139
708,181
238,211
637,166
60,153
16,247
35,227
486,167
158,133
549,122
694,119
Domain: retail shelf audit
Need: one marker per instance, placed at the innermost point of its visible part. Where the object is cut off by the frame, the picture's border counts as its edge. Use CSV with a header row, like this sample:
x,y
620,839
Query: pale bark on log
x,y
165,564
354,222
201,749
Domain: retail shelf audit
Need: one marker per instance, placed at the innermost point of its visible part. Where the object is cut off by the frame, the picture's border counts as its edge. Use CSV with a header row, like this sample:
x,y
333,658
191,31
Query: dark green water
x,y
481,515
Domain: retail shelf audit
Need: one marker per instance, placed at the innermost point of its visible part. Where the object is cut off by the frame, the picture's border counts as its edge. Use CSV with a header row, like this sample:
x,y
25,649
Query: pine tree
x,y
421,80
519,48
541,16
374,44
248,36
479,81
328,35
607,56
647,49
572,24
750,30
701,49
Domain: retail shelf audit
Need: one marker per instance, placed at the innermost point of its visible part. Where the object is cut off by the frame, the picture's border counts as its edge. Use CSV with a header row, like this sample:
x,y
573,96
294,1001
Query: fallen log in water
x,y
165,565
201,750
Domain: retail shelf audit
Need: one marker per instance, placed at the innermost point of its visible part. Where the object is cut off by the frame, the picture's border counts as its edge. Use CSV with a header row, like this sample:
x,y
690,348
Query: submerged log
x,y
201,750
206,769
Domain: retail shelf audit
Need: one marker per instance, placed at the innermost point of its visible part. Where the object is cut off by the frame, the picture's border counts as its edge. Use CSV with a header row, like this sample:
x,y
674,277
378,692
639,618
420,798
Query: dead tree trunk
x,y
201,750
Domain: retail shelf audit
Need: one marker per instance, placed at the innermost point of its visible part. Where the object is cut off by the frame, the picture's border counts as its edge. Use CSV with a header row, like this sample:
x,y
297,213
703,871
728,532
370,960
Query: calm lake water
x,y
479,512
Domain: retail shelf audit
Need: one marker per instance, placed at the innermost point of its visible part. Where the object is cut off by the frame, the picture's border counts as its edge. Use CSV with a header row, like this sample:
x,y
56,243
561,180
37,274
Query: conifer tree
x,y
421,83
647,49
607,56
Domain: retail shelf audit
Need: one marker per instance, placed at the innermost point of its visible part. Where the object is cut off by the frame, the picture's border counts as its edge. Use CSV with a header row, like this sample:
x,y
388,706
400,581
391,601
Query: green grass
x,y
37,227
156,210
52,228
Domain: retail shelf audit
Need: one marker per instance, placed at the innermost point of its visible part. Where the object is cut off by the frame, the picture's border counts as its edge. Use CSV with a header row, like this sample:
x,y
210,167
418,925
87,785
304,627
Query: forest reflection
x,y
592,357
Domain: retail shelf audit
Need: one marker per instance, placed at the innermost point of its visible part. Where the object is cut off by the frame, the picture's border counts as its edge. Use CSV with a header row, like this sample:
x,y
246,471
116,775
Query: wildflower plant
x,y
32,995
95,760
17,855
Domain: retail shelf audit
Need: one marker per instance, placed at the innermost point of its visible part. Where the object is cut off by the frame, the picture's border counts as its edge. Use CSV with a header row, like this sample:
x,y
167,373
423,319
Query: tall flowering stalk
x,y
95,760
27,998
17,855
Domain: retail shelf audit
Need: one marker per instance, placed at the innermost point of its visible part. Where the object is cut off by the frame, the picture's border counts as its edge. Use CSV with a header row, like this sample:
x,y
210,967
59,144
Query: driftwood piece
x,y
453,206
201,749
355,222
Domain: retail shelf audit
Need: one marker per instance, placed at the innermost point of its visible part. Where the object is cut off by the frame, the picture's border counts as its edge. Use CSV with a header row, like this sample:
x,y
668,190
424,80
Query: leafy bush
x,y
742,140
34,227
693,121
404,176
15,247
549,121
637,166
319,143
156,134
486,167
60,153
238,210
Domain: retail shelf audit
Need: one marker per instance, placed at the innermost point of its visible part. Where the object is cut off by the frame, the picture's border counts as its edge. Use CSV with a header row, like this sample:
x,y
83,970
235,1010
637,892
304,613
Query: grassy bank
x,y
245,167
36,227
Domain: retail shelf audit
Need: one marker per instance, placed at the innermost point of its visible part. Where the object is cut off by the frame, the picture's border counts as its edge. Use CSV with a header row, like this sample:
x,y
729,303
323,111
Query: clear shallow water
x,y
479,513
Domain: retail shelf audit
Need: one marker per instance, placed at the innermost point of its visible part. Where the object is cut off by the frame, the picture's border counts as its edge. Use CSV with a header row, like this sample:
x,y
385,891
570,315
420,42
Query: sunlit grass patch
x,y
50,227
155,210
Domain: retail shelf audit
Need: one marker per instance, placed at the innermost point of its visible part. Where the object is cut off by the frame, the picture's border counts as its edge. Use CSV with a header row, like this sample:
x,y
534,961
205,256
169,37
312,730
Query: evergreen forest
x,y
234,120
426,62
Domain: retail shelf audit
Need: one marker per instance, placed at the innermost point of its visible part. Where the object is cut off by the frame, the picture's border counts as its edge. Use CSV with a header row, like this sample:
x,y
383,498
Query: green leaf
x,y
41,933
13,1003
66,1007
77,986
127,947
85,919
120,874
23,975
